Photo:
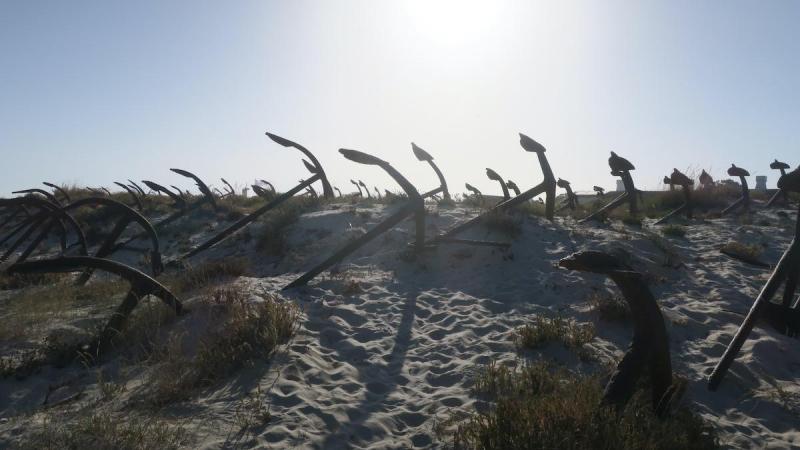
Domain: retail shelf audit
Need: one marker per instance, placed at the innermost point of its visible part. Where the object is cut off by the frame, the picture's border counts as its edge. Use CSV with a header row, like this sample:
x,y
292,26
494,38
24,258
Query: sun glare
x,y
453,22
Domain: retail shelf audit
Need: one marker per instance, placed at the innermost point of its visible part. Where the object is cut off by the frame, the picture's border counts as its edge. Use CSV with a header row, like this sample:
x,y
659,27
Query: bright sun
x,y
453,22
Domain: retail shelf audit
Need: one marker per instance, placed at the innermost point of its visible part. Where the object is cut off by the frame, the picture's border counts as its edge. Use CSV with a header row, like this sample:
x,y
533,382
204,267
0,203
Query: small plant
x,y
744,251
553,329
609,307
540,406
243,331
632,220
276,226
207,273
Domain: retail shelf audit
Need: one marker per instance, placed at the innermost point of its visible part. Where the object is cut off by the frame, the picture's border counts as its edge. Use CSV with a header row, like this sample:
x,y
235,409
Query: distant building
x,y
620,186
761,183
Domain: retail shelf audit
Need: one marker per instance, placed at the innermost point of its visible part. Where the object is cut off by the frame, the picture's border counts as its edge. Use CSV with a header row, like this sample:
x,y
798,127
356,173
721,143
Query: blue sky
x,y
93,92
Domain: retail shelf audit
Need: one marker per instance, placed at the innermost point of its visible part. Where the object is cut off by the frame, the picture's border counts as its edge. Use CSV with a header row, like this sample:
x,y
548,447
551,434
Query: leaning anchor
x,y
788,270
782,166
678,178
620,167
743,201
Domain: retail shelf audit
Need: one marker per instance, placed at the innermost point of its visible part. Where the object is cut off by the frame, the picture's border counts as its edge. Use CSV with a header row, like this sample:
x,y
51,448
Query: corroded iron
x,y
547,187
208,196
60,190
706,182
48,215
127,216
327,191
46,194
494,176
366,189
787,272
678,178
134,195
744,201
780,193
620,167
357,187
231,190
177,199
422,155
137,187
318,174
571,201
141,285
649,348
474,191
414,206
513,186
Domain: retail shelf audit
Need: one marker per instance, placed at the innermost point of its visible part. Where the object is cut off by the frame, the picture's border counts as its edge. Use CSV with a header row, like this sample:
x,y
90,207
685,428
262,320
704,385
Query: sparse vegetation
x,y
503,222
272,240
240,331
609,307
100,431
539,406
205,274
746,252
544,330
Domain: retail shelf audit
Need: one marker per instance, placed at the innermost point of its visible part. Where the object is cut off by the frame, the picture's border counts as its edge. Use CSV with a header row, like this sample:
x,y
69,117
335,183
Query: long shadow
x,y
373,401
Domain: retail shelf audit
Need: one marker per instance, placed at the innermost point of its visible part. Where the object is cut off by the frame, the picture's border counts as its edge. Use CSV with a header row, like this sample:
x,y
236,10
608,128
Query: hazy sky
x,y
97,91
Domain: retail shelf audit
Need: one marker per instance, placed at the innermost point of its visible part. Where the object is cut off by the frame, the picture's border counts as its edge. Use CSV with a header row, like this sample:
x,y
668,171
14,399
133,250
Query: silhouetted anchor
x,y
337,190
788,270
782,166
59,190
680,179
360,194
668,182
422,155
474,191
492,175
178,201
377,192
366,189
706,181
599,191
132,192
137,187
231,190
141,285
547,187
649,348
513,186
743,201
572,199
620,167
47,216
318,175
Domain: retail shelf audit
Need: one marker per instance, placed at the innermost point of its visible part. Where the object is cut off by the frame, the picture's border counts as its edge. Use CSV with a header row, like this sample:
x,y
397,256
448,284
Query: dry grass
x,y
206,274
541,407
277,222
609,307
504,223
242,332
98,431
544,330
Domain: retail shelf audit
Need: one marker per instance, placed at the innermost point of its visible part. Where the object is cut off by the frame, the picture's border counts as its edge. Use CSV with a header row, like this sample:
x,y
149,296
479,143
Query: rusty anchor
x,y
141,285
318,175
178,200
680,179
744,201
494,176
782,166
52,198
786,272
547,187
231,190
58,189
366,189
475,191
571,201
132,192
620,167
422,155
706,182
357,187
649,348
513,186
414,206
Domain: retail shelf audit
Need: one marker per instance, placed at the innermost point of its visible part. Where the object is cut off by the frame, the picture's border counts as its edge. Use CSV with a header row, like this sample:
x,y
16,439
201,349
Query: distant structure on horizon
x,y
761,183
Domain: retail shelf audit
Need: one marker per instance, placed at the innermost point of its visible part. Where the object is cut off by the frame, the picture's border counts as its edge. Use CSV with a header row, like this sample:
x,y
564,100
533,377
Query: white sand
x,y
375,366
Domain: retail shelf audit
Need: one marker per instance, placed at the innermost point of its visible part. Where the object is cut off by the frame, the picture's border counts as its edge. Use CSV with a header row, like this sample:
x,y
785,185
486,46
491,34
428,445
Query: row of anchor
x,y
33,217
